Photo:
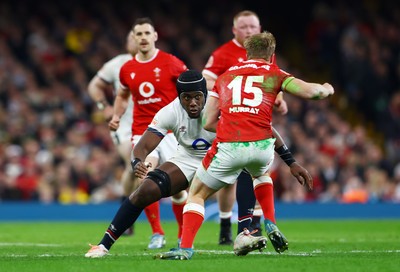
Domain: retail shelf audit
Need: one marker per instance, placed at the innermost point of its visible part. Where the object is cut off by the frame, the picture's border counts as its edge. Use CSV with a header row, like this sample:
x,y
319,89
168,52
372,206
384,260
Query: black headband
x,y
191,81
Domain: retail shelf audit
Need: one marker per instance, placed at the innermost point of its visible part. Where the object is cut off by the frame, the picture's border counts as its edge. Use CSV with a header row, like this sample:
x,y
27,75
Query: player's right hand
x,y
329,88
302,175
114,123
140,169
108,113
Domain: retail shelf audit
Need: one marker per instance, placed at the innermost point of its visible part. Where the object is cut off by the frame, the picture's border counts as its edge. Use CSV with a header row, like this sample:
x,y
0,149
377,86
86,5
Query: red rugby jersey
x,y
247,93
152,84
224,57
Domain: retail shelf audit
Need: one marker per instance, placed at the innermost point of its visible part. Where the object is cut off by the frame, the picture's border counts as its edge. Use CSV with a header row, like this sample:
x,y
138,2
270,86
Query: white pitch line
x,y
29,244
198,251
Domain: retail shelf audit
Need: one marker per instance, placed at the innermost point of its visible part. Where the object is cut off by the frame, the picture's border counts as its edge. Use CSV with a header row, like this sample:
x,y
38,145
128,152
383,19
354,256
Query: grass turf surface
x,y
314,245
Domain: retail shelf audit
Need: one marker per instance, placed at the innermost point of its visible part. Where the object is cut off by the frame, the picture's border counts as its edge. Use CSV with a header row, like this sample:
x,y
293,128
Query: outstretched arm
x,y
307,90
298,171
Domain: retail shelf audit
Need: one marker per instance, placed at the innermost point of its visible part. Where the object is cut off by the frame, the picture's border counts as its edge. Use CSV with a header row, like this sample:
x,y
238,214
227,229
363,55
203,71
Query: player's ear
x,y
234,30
155,36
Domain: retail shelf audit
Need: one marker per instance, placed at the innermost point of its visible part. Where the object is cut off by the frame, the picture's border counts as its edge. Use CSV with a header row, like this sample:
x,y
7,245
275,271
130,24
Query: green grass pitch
x,y
314,245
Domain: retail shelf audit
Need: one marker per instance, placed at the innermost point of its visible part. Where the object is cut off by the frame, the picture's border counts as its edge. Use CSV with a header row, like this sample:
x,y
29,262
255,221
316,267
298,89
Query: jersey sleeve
x,y
106,72
214,91
177,66
215,65
123,75
286,78
164,120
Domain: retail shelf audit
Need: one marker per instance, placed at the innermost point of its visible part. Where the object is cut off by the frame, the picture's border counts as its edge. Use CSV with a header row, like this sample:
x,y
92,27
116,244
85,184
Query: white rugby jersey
x,y
110,74
189,132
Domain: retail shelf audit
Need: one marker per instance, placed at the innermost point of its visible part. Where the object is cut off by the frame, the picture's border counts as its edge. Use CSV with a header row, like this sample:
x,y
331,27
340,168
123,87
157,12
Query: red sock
x,y
153,215
265,195
193,217
177,208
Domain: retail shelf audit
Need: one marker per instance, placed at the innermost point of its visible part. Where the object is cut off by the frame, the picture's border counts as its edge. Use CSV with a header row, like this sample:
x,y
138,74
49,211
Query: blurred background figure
x,y
98,89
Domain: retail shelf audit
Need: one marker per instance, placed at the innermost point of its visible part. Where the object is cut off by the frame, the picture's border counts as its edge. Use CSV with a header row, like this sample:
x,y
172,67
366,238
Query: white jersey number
x,y
236,87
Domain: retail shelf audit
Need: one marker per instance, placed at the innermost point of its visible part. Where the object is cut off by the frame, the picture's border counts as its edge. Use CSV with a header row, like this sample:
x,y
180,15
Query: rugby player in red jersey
x,y
239,110
149,79
245,24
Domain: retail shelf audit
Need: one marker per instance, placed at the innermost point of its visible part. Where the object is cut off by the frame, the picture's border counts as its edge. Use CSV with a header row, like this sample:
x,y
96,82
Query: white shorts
x,y
123,134
124,131
165,150
187,163
224,161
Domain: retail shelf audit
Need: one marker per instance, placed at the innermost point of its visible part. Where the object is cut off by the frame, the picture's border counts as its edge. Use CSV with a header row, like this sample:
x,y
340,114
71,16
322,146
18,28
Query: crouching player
x,y
183,117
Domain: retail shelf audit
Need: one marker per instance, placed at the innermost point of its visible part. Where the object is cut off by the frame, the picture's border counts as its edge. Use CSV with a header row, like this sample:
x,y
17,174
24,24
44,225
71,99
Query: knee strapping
x,y
262,180
162,180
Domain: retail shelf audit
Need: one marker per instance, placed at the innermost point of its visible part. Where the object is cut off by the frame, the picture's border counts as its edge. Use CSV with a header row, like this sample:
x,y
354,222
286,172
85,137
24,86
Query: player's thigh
x,y
224,161
199,190
226,197
228,191
153,159
262,158
187,163
125,150
221,166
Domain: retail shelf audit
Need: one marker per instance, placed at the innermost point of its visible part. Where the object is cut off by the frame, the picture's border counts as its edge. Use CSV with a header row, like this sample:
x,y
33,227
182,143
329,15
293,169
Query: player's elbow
x,y
91,88
212,127
206,127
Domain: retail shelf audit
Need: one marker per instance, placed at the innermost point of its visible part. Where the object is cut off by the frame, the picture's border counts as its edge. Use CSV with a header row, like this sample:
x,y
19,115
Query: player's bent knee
x,y
162,180
179,198
262,180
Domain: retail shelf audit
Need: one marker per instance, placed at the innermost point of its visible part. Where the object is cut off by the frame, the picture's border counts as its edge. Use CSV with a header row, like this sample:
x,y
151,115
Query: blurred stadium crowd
x,y
55,146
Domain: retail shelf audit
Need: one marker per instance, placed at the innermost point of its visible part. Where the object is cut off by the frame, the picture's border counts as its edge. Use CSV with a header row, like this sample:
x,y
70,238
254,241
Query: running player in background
x,y
150,80
97,88
245,24
239,109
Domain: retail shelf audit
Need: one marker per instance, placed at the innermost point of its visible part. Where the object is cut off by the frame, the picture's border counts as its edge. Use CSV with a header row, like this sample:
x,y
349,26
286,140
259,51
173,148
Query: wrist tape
x,y
134,162
285,154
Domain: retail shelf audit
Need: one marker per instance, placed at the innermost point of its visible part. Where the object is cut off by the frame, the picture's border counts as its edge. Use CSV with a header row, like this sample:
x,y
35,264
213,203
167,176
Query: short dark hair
x,y
142,21
260,46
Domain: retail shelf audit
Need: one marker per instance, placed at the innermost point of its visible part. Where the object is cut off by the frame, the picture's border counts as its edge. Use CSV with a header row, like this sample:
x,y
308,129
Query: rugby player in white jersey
x,y
183,117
